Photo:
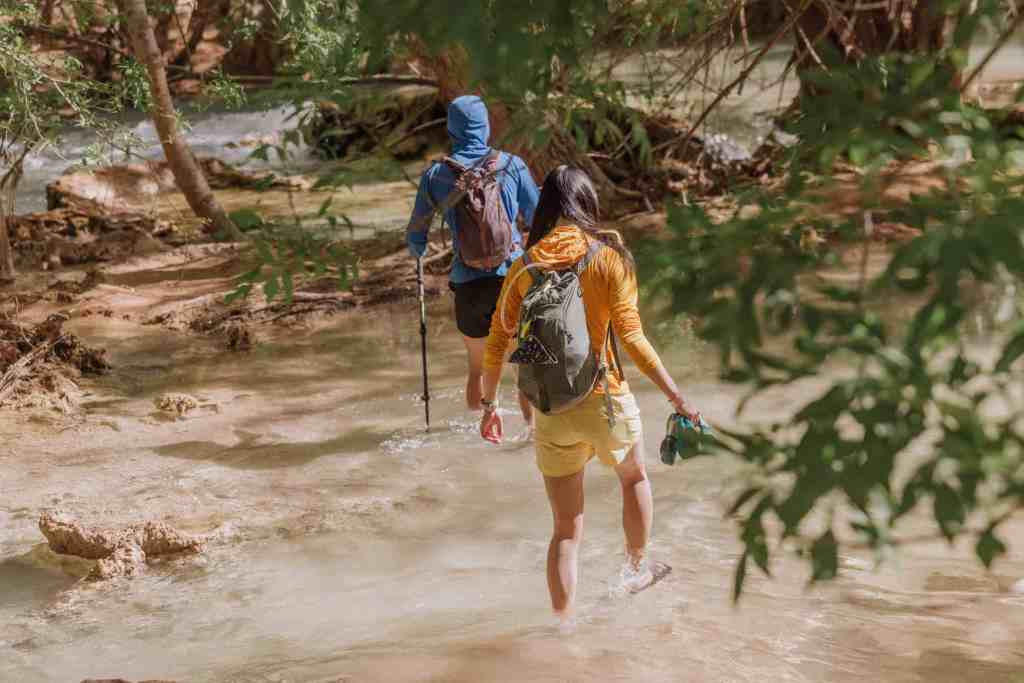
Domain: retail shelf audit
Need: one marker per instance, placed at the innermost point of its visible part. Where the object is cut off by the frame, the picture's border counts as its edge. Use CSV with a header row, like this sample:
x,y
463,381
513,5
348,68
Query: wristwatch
x,y
489,406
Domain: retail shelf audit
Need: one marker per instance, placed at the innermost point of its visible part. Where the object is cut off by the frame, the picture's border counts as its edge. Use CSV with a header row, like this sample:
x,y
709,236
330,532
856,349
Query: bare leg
x,y
637,504
474,382
566,497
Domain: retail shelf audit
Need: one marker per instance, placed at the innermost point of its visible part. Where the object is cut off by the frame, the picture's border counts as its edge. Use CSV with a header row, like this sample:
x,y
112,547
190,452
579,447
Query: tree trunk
x,y
7,272
187,173
206,13
8,185
260,53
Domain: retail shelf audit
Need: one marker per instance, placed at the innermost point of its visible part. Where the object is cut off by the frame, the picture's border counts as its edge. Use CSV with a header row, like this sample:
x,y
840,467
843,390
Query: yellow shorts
x,y
567,441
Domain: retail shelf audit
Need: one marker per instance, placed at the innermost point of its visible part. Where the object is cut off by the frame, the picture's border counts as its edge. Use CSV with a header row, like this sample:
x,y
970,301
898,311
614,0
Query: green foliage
x,y
135,85
923,417
322,46
286,256
520,50
504,38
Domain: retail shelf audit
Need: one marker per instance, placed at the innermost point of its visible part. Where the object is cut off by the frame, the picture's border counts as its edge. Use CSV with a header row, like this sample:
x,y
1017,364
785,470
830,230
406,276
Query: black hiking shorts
x,y
475,302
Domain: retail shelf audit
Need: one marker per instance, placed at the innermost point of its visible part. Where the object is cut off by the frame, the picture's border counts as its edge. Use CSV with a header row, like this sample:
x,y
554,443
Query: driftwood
x,y
42,364
22,368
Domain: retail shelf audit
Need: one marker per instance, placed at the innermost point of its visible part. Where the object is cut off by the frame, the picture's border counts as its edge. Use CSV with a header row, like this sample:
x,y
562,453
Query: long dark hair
x,y
568,192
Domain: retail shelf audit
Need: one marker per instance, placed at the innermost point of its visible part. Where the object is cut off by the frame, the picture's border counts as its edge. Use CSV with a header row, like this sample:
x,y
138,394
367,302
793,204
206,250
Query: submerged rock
x,y
118,553
176,403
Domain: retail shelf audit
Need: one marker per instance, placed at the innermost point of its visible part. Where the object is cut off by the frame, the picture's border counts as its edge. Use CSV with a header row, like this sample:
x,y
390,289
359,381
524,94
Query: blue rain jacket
x,y
470,129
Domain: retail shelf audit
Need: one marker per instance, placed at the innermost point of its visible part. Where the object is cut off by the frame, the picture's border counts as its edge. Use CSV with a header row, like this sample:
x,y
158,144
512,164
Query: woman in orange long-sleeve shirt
x,y
563,229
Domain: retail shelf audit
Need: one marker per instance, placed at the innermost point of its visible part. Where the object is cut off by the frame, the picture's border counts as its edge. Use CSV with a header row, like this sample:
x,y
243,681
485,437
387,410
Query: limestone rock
x,y
118,553
181,404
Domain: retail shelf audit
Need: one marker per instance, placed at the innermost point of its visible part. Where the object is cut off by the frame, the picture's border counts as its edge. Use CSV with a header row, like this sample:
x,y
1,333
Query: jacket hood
x,y
468,126
560,248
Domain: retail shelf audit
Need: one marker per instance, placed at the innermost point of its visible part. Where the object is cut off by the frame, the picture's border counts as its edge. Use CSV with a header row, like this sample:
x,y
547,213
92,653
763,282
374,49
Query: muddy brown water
x,y
350,545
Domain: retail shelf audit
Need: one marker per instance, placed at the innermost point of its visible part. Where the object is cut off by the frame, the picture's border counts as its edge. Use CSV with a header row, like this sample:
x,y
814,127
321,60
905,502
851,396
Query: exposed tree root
x,y
40,365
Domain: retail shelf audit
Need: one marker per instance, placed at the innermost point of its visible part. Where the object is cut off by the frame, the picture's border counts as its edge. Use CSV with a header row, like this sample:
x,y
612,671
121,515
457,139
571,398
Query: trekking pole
x,y
423,337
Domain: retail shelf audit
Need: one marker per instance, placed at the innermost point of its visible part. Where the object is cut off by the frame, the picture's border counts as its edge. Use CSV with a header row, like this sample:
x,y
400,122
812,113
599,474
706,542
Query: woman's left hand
x,y
491,427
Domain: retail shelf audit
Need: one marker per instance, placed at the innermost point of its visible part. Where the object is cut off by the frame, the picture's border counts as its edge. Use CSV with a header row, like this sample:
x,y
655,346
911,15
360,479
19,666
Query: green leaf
x,y
1011,352
740,577
859,155
325,206
262,153
742,499
289,286
240,292
824,558
920,72
949,511
989,547
271,287
246,219
263,249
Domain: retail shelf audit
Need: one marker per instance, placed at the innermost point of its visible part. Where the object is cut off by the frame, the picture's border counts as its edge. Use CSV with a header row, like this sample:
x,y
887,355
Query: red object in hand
x,y
491,427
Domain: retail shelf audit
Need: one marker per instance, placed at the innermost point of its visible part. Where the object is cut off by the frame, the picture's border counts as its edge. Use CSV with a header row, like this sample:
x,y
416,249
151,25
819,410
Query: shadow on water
x,y
24,586
950,664
253,452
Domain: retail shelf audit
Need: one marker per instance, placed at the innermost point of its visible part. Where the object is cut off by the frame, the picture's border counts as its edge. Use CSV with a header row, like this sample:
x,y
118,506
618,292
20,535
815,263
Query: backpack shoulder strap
x,y
531,267
457,168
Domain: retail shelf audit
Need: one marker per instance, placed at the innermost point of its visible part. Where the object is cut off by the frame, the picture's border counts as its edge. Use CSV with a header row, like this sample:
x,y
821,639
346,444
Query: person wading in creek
x,y
586,409
484,234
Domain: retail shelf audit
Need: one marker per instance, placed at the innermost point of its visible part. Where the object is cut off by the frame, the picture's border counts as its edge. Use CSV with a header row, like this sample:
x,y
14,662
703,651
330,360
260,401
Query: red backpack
x,y
485,230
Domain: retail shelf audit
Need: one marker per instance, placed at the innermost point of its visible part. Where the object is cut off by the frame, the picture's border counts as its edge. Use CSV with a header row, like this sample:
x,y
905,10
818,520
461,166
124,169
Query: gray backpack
x,y
558,369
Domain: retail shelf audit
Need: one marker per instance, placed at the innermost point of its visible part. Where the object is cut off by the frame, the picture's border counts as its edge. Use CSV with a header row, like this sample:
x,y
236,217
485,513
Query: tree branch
x,y
64,35
788,26
999,44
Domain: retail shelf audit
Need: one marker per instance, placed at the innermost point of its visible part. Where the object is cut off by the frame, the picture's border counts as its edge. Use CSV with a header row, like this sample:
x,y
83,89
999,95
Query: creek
x,y
347,544
350,544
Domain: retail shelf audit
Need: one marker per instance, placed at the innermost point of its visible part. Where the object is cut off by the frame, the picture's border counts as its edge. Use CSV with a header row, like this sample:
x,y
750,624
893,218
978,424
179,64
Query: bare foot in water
x,y
566,623
525,436
643,577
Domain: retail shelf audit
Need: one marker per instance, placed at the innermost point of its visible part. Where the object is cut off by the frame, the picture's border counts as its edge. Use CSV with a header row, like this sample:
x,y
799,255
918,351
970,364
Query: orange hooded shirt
x,y
609,294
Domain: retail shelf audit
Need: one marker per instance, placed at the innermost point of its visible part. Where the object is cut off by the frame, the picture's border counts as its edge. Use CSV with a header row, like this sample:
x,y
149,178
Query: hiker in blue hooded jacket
x,y
476,289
